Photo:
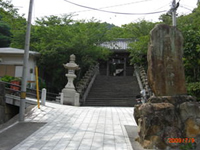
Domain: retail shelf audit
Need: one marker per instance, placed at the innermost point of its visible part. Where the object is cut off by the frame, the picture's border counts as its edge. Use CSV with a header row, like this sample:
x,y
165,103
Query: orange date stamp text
x,y
180,140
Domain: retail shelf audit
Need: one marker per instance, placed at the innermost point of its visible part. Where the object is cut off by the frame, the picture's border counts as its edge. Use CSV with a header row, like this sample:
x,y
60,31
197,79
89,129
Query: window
x,y
18,71
7,70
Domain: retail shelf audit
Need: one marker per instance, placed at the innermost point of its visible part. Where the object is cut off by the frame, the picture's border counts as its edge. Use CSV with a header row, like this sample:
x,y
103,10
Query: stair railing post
x,y
44,93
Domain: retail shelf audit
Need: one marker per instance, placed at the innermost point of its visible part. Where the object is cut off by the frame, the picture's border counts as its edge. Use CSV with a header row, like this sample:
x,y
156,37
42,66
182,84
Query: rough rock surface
x,y
165,68
160,121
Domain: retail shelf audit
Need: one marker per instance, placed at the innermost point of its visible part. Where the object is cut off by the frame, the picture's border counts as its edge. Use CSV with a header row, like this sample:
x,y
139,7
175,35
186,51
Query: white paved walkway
x,y
79,128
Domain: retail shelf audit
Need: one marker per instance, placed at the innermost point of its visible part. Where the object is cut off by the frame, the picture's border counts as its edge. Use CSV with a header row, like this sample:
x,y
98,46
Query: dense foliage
x,y
189,25
56,38
5,34
12,25
139,32
194,89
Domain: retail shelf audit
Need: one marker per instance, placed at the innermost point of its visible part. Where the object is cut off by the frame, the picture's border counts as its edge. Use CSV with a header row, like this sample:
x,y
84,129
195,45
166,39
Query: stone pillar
x,y
70,96
44,95
2,103
108,68
171,117
7,111
124,67
165,68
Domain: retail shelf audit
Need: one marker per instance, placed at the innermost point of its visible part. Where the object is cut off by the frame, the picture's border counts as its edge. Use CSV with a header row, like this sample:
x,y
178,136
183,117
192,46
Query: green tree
x,y
189,25
13,24
56,38
116,32
166,19
139,32
5,34
192,55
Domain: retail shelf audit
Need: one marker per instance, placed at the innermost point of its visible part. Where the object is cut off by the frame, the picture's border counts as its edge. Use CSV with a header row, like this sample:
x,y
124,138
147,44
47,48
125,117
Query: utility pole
x,y
172,11
25,64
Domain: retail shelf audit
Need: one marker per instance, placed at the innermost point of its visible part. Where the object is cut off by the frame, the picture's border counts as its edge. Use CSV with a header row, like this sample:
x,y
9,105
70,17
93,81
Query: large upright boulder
x,y
170,117
165,68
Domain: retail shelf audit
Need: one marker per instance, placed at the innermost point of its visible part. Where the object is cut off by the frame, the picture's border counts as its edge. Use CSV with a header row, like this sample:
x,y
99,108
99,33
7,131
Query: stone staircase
x,y
113,91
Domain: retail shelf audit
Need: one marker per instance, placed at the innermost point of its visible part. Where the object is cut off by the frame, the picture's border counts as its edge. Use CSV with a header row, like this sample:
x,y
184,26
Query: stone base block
x,y
70,97
169,118
2,114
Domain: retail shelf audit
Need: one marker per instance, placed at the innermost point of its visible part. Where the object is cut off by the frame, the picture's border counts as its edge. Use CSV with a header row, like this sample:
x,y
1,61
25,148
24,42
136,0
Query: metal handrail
x,y
84,86
138,77
142,80
30,92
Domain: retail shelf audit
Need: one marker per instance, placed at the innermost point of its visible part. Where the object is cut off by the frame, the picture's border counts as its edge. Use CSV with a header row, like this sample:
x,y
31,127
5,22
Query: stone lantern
x,y
70,96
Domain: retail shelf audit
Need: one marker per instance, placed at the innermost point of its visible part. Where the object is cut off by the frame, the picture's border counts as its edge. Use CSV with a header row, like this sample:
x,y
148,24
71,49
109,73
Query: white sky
x,y
58,7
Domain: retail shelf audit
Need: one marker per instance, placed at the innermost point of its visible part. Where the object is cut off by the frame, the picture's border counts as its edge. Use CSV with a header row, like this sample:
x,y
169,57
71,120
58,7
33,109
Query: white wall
x,y
17,61
18,71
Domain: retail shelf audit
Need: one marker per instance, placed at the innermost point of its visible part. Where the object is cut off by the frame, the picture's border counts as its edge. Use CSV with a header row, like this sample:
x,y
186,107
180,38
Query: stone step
x,y
110,102
113,91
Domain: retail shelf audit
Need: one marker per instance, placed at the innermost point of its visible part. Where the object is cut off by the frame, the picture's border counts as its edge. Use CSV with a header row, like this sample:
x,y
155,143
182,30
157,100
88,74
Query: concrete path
x,y
79,128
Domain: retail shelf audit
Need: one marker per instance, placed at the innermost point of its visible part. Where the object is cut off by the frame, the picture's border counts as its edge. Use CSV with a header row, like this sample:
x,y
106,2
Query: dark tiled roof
x,y
118,44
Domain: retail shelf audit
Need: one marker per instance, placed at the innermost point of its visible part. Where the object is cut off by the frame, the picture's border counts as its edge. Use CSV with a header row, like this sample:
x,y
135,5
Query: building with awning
x,y
11,63
119,62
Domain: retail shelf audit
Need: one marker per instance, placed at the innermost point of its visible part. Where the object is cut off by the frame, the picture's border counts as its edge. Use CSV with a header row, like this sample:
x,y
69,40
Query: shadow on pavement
x,y
17,133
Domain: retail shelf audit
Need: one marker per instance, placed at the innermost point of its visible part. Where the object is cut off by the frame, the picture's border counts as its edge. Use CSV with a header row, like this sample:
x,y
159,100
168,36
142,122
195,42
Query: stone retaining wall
x,y
165,118
6,111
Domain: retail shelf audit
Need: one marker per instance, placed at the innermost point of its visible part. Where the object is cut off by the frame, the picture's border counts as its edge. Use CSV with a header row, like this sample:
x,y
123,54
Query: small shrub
x,y
42,83
188,146
7,78
194,89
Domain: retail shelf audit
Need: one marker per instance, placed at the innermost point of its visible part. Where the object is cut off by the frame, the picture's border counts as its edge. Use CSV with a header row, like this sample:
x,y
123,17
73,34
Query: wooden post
x,y
108,68
37,87
124,66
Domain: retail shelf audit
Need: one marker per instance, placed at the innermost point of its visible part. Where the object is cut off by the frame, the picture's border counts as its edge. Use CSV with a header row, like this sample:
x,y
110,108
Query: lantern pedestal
x,y
70,96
